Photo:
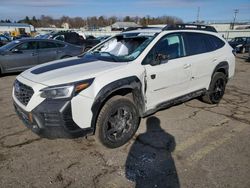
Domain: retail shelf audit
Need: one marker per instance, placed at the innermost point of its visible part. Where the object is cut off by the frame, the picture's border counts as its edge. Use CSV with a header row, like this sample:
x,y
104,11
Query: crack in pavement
x,y
73,164
20,144
108,169
9,116
13,134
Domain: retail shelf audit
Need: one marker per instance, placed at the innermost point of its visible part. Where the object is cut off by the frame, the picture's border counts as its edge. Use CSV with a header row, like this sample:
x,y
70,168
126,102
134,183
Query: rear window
x,y
198,43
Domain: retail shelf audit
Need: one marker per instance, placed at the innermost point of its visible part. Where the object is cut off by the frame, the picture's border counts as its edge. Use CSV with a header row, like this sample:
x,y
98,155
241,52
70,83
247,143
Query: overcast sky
x,y
184,9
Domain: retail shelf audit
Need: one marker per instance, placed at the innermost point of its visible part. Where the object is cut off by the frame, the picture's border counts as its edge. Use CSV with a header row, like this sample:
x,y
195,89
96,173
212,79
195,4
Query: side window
x,y
46,45
26,46
167,48
216,42
196,43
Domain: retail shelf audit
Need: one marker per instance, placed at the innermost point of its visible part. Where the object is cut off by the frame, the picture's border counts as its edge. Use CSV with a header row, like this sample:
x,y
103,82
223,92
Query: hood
x,y
69,70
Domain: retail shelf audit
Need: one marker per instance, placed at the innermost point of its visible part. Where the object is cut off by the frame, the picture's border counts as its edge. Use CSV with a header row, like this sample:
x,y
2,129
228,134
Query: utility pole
x,y
236,11
198,15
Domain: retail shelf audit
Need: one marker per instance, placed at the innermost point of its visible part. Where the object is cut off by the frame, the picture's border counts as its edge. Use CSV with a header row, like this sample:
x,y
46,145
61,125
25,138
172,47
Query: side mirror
x,y
16,51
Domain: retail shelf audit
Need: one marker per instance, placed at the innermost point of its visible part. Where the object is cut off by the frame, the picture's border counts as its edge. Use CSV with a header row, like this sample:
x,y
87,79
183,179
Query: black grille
x,y
23,92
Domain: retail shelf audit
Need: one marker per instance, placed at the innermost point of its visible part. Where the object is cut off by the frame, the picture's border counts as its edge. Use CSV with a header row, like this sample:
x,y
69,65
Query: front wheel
x,y
216,89
117,122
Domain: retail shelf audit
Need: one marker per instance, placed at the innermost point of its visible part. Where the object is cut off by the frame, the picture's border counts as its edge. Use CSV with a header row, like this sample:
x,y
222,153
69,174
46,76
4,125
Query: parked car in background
x,y
22,54
240,44
76,39
4,40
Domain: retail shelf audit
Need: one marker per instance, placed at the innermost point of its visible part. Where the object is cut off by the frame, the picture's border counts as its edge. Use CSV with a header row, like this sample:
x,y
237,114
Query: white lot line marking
x,y
195,157
199,136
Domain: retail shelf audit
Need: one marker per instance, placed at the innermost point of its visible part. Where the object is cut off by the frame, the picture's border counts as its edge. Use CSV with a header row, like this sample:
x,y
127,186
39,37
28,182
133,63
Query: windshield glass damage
x,y
122,48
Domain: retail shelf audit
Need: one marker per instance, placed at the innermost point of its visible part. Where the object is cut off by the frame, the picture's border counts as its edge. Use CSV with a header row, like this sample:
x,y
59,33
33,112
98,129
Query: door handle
x,y
34,53
186,66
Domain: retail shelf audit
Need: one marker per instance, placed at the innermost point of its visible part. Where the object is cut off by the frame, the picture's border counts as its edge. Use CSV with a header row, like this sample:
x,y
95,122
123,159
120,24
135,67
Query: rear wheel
x,y
117,122
216,89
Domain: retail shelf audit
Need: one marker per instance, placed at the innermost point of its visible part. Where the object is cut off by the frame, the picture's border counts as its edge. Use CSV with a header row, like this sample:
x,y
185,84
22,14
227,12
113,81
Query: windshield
x,y
10,45
122,48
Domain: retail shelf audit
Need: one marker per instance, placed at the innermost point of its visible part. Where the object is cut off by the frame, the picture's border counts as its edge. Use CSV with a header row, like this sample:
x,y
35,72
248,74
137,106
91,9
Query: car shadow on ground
x,y
149,162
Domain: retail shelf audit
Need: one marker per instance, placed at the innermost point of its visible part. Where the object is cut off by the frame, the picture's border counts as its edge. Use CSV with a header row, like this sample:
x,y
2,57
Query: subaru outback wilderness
x,y
106,90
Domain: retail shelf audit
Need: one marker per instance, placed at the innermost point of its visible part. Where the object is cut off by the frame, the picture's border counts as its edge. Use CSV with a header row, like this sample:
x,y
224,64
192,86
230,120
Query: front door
x,y
168,74
21,57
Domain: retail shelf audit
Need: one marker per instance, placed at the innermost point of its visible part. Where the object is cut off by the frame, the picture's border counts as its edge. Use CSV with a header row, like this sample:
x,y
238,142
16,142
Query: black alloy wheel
x,y
117,122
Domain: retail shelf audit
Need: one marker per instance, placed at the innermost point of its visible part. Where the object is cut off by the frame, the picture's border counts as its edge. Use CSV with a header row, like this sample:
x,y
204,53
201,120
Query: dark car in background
x,y
76,39
22,54
240,44
4,40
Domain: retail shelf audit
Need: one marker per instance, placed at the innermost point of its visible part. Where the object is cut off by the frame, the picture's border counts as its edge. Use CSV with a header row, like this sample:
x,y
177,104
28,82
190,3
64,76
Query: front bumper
x,y
52,119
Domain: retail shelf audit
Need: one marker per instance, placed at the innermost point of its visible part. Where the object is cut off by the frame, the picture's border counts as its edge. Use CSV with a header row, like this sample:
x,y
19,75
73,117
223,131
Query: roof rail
x,y
138,28
190,27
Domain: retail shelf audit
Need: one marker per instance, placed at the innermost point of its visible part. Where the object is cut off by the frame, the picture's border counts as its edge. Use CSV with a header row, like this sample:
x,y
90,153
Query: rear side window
x,y
46,45
215,42
198,43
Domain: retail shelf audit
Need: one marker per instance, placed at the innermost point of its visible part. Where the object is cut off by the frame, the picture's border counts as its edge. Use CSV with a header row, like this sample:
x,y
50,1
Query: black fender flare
x,y
222,65
132,83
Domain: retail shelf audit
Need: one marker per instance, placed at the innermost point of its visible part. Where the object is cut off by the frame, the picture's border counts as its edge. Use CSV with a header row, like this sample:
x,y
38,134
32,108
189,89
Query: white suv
x,y
131,75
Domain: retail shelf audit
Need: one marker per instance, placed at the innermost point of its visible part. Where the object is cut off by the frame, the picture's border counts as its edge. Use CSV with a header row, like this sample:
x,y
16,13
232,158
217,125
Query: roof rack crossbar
x,y
189,27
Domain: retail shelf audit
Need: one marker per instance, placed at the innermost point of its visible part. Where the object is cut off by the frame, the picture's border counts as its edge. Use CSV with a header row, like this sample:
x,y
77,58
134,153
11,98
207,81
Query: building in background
x,y
119,26
15,29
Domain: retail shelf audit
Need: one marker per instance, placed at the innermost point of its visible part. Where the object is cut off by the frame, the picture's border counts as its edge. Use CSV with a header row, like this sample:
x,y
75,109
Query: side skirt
x,y
175,101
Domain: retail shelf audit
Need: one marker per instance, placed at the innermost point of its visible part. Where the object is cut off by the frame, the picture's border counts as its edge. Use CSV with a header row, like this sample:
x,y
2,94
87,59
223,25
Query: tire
x,y
117,122
216,89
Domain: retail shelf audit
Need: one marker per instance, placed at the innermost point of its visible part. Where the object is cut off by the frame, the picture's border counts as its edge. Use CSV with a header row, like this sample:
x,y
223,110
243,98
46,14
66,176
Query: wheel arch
x,y
221,67
124,86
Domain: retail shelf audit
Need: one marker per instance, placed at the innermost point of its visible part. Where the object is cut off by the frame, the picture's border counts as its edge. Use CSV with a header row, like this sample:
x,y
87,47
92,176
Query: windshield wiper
x,y
111,55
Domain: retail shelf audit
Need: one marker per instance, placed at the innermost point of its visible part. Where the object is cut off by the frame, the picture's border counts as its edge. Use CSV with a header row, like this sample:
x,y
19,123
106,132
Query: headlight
x,y
65,91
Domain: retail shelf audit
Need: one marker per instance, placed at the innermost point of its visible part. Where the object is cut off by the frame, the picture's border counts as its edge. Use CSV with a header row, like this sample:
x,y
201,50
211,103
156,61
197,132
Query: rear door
x,y
204,53
47,51
21,57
